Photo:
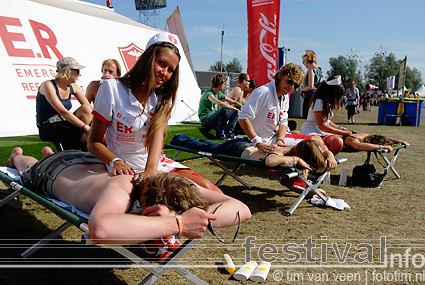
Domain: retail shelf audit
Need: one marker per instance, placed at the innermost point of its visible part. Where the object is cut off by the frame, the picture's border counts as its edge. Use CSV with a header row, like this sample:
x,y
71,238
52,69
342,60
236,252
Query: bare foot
x,y
15,151
46,151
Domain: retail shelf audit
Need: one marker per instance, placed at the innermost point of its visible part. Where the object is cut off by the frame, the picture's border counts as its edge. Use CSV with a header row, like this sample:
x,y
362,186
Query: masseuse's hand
x,y
195,222
143,174
264,148
120,167
331,163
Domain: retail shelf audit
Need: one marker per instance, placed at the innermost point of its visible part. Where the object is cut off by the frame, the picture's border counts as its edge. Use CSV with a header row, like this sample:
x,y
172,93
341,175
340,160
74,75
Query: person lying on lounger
x,y
367,142
308,153
81,180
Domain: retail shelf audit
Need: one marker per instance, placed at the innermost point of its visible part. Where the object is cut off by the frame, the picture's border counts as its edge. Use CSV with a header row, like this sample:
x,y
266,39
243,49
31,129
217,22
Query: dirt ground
x,y
379,241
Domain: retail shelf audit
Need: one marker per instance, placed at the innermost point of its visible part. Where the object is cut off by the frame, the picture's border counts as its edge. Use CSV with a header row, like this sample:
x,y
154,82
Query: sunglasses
x,y
211,229
76,70
291,82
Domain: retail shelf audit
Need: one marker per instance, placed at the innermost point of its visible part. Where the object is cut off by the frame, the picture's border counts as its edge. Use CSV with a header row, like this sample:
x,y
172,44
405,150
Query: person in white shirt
x,y
264,117
325,101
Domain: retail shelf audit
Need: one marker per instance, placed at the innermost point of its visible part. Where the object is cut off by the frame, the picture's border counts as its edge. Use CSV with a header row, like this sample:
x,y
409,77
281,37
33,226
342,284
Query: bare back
x,y
84,185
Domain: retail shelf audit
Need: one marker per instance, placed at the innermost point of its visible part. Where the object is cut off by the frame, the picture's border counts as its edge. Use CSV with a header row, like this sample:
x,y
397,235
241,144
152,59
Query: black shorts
x,y
39,177
62,134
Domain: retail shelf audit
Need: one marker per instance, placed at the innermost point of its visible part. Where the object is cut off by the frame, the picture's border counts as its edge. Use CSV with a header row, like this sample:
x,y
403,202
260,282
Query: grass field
x,y
315,245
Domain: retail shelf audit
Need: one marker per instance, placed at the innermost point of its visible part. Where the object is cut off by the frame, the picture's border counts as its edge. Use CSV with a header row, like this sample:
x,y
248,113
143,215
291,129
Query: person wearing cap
x,y
325,101
132,113
111,68
55,122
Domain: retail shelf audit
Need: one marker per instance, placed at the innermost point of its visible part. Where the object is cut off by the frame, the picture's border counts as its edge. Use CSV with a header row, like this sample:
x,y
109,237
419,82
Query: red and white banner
x,y
263,39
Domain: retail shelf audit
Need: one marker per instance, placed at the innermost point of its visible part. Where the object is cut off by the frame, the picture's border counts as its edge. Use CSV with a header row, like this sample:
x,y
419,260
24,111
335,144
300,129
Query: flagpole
x,y
221,55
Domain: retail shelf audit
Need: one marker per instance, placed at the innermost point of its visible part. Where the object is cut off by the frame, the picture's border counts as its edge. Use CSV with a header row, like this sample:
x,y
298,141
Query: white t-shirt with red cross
x,y
127,122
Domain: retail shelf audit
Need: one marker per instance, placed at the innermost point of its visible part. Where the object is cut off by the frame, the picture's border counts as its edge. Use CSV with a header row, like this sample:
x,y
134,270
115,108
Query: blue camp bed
x,y
289,170
81,221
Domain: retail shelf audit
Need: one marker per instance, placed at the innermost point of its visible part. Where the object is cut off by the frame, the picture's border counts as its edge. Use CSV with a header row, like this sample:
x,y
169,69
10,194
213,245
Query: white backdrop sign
x,y
35,34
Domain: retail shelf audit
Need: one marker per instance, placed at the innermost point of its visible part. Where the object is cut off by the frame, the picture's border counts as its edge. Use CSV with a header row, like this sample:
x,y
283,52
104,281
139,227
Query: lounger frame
x,y
289,170
72,219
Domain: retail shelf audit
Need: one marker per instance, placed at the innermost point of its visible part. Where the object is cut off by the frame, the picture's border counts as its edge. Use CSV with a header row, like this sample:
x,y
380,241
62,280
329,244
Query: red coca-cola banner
x,y
263,39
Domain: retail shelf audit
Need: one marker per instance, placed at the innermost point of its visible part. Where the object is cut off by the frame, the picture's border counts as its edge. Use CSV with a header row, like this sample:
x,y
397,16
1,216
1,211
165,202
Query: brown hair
x,y
376,139
112,61
331,96
294,72
242,77
217,80
310,152
141,79
172,190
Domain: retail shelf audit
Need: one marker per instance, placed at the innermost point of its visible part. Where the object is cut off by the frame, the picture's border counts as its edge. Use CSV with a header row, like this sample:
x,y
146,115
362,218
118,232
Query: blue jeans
x,y
233,147
223,121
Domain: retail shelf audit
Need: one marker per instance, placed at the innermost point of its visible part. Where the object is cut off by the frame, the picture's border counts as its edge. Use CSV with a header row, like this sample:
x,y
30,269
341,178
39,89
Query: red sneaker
x,y
299,184
293,184
172,242
155,249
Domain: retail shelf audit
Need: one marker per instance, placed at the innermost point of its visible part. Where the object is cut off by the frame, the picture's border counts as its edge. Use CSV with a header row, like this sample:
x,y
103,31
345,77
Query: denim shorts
x,y
39,177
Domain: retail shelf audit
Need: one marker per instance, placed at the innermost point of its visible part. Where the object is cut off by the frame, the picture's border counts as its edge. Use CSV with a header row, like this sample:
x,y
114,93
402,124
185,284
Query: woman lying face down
x,y
307,153
171,190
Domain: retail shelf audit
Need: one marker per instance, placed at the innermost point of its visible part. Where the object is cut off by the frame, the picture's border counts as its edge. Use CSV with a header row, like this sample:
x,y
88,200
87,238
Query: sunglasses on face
x,y
291,82
76,70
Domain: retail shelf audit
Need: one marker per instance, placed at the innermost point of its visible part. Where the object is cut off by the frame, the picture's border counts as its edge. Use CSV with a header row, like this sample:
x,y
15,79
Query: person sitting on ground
x,y
246,93
223,120
110,69
81,180
237,93
55,122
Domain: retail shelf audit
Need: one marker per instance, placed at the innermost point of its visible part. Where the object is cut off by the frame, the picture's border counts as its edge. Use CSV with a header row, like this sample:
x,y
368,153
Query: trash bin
x,y
413,111
388,111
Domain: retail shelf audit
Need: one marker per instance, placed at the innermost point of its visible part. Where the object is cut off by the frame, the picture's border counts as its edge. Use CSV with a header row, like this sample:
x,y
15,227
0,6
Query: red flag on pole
x,y
263,39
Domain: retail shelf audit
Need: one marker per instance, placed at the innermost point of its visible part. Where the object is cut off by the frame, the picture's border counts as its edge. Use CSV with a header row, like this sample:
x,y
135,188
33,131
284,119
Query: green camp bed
x,y
73,219
289,170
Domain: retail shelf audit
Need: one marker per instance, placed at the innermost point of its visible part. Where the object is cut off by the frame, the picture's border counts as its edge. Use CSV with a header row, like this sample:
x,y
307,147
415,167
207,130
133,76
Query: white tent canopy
x,y
421,91
36,33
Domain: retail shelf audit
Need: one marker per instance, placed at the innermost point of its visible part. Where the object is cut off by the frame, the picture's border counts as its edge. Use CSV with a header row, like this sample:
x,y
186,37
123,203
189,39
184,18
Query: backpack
x,y
365,175
319,76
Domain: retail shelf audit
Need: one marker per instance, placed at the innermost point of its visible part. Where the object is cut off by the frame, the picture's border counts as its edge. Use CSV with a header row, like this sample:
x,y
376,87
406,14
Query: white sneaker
x,y
352,120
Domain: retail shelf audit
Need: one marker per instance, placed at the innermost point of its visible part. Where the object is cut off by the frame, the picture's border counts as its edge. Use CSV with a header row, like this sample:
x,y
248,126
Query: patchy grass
x,y
394,213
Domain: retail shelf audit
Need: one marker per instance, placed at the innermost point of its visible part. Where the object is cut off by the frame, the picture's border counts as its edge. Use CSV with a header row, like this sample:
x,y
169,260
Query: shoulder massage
x,y
85,183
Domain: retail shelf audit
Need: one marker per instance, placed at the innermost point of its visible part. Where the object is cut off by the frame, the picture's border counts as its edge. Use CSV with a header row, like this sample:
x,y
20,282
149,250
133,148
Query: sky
x,y
330,28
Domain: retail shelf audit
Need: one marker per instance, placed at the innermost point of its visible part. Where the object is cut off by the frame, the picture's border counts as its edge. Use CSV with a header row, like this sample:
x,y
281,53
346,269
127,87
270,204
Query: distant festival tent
x,y
421,91
34,36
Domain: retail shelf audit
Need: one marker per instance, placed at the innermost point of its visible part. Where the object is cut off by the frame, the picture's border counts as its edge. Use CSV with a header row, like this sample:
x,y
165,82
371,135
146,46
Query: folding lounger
x,y
289,170
389,164
71,218
383,153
